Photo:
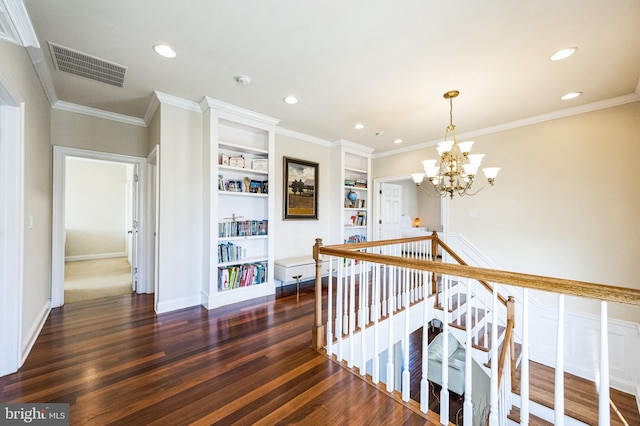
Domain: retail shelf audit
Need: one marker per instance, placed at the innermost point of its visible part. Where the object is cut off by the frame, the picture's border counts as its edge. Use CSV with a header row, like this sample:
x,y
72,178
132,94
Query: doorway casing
x,y
60,155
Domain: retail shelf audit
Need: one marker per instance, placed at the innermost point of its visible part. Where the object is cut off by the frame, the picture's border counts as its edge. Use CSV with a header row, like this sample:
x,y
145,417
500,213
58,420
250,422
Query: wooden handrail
x,y
535,282
458,259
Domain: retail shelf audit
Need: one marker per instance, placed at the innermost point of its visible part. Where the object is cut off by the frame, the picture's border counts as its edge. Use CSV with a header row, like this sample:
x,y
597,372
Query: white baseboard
x,y
34,331
181,303
94,256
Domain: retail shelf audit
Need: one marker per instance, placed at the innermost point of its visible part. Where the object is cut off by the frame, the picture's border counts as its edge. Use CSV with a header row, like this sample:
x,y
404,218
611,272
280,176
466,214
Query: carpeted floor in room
x,y
92,279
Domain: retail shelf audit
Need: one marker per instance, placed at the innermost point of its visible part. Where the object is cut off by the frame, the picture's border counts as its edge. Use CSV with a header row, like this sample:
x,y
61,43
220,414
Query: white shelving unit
x,y
353,184
238,168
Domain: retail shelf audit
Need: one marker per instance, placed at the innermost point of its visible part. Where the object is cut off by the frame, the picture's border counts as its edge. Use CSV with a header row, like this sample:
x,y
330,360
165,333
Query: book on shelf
x,y
360,183
229,252
359,219
230,277
243,228
357,204
356,239
349,182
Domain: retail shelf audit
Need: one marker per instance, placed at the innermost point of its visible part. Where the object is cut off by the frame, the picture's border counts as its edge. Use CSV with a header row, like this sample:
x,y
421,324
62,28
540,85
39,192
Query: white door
x,y
390,207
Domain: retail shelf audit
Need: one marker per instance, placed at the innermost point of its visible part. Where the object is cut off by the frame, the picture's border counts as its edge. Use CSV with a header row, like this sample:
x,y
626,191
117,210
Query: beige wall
x,y
74,130
95,203
296,237
16,65
180,228
566,202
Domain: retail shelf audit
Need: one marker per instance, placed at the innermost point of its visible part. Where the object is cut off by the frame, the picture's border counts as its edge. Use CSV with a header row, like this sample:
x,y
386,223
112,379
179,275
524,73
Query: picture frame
x,y
301,178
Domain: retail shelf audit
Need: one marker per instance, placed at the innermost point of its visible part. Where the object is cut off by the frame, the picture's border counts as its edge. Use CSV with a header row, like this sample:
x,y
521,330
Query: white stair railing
x,y
389,283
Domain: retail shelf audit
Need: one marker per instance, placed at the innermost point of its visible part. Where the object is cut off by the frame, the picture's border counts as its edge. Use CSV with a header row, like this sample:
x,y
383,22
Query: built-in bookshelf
x,y
239,167
353,182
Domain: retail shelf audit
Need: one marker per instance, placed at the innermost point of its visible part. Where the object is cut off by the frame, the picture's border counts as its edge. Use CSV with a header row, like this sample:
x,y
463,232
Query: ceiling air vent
x,y
81,64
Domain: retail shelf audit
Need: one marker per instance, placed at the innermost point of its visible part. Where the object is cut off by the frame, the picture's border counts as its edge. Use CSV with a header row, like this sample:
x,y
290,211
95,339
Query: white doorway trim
x,y
153,219
60,155
377,213
12,119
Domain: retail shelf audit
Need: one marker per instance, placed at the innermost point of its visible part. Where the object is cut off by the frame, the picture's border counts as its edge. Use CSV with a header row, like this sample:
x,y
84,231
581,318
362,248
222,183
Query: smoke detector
x,y
243,80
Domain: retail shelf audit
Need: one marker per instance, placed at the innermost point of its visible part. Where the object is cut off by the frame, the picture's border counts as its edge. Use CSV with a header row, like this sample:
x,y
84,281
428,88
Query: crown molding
x,y
17,24
163,98
235,111
567,112
353,145
302,136
98,113
42,70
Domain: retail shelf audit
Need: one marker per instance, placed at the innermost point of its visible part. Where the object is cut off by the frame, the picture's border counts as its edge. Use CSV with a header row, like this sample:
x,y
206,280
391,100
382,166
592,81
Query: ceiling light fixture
x,y
164,51
291,100
571,95
397,141
563,53
457,167
358,126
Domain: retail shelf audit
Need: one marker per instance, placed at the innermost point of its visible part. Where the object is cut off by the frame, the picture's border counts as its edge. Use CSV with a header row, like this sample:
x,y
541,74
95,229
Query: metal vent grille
x,y
81,64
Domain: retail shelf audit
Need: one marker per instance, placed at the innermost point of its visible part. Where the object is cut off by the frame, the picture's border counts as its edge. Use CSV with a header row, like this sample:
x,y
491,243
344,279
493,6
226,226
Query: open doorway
x,y
430,212
97,224
98,229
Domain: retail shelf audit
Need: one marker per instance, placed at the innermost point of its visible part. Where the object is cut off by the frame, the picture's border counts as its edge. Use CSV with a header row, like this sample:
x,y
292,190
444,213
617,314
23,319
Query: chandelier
x,y
457,169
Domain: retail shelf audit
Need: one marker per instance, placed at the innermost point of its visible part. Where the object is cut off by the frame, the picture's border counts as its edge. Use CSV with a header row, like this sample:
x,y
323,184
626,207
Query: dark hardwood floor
x,y
116,362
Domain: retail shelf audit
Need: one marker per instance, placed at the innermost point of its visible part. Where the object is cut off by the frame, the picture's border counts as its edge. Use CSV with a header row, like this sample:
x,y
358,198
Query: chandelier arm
x,y
481,188
427,192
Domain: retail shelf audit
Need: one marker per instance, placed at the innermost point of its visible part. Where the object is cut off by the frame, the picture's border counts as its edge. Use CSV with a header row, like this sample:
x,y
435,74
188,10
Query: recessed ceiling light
x,y
571,96
290,100
358,126
397,141
563,53
164,51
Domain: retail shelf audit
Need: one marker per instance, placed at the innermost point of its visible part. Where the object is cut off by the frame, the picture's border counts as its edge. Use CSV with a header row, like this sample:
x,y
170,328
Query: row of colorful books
x,y
355,239
246,275
229,252
242,228
359,219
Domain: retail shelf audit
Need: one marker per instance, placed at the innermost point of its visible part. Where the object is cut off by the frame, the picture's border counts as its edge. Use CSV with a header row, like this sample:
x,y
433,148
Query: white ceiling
x,y
385,64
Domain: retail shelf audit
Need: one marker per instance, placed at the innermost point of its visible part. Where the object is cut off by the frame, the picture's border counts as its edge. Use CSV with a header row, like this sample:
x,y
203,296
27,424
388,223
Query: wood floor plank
x,y
116,362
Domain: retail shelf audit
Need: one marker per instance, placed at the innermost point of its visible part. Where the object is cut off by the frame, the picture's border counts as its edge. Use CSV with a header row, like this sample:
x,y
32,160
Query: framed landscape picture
x,y
300,189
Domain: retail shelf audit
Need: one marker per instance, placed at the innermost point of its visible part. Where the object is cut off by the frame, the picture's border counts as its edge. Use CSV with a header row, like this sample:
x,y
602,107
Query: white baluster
x,y
524,369
444,392
424,382
406,375
603,407
390,375
339,317
559,379
345,319
363,304
375,370
330,309
468,362
493,416
352,312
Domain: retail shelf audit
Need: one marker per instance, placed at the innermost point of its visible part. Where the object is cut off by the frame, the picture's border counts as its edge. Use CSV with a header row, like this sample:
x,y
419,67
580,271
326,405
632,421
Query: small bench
x,y
292,270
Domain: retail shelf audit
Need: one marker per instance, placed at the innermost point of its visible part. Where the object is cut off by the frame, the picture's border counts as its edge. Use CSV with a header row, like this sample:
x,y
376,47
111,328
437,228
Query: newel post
x,y
317,332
